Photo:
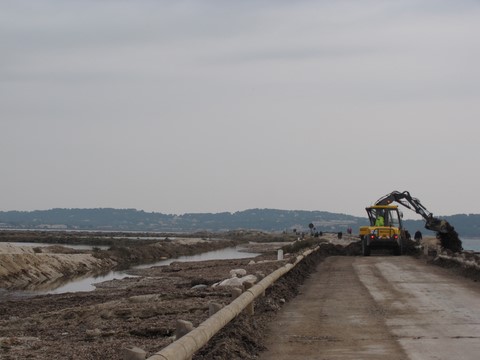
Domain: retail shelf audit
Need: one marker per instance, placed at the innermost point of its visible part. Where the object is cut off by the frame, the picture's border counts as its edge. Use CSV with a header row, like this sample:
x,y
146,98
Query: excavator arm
x,y
405,199
445,232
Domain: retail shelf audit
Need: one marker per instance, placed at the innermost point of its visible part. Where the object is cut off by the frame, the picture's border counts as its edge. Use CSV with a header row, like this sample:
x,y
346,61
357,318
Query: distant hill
x,y
138,220
257,219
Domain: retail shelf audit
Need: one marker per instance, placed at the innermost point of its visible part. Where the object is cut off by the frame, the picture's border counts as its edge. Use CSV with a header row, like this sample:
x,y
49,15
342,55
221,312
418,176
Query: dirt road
x,y
379,307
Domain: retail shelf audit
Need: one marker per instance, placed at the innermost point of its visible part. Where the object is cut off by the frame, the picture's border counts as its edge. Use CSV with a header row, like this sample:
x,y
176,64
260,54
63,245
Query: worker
x,y
380,220
407,235
418,235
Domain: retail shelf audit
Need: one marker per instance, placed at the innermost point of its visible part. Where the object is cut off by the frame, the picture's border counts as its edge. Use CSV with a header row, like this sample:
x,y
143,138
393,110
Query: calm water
x,y
223,254
471,244
88,283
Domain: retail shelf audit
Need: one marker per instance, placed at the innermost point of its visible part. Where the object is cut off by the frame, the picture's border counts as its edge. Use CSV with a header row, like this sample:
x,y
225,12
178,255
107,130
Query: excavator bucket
x,y
446,233
437,225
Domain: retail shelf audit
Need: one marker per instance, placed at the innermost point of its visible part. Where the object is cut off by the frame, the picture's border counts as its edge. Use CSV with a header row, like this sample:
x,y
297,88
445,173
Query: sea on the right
x,y
471,244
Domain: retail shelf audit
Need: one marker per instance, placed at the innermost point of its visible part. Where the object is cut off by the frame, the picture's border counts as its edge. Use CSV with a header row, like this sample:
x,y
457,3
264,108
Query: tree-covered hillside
x,y
258,219
138,220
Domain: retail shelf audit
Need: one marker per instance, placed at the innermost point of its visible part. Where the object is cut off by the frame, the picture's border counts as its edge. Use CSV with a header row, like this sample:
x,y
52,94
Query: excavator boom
x,y
445,232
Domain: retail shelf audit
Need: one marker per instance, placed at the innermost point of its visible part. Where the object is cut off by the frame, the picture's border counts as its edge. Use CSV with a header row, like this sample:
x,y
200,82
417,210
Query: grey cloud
x,y
211,105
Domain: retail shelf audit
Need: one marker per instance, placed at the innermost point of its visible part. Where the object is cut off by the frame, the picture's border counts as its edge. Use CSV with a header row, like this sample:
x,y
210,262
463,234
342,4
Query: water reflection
x,y
223,254
87,282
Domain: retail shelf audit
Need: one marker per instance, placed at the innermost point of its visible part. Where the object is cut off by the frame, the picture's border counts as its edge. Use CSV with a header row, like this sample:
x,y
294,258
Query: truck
x,y
386,230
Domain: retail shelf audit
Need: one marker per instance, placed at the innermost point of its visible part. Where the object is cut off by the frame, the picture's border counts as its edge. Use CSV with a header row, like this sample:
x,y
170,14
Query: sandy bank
x,y
22,267
30,267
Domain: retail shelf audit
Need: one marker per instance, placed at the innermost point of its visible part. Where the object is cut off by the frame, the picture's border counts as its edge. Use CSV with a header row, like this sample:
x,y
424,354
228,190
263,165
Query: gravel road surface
x,y
376,308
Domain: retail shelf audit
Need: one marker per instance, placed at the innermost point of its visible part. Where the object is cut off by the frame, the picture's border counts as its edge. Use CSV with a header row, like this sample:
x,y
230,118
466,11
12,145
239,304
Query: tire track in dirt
x,y
334,317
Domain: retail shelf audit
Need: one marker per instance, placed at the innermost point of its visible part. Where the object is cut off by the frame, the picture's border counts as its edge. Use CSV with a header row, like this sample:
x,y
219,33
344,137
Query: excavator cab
x,y
385,230
390,214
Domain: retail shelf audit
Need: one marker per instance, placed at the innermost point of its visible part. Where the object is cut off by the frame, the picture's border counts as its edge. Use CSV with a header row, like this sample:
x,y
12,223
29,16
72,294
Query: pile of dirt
x,y
466,264
450,240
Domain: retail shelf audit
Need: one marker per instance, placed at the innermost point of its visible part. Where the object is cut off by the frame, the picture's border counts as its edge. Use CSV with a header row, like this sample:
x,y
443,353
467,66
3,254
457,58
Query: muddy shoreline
x,y
33,267
142,311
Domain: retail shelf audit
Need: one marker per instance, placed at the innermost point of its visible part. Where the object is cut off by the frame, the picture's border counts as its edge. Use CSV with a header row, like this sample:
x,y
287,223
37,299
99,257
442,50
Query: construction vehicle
x,y
386,229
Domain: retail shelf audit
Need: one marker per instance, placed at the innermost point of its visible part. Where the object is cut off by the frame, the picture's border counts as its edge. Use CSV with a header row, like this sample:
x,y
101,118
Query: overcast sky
x,y
211,106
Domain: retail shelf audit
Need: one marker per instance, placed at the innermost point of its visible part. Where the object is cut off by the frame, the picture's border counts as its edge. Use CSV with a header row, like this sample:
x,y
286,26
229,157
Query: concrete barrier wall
x,y
187,345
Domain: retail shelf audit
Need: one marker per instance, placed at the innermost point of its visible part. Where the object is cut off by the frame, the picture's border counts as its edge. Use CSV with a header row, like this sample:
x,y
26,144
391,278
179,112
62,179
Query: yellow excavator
x,y
386,230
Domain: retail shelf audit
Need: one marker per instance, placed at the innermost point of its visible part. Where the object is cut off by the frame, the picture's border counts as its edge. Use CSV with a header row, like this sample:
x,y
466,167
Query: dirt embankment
x,y
29,267
465,263
25,267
